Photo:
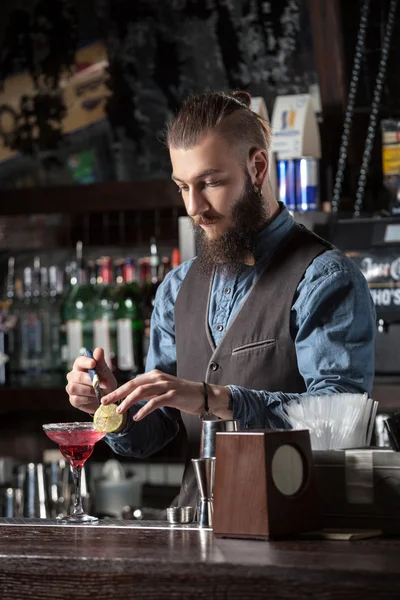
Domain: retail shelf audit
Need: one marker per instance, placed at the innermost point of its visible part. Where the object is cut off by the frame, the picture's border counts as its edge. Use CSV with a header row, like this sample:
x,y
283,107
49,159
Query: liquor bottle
x,y
10,308
149,282
54,301
4,349
146,301
43,309
164,268
129,322
71,281
154,261
78,312
10,291
30,332
175,258
104,326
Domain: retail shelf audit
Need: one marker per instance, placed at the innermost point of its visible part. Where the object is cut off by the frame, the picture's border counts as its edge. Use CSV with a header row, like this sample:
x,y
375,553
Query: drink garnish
x,y
106,418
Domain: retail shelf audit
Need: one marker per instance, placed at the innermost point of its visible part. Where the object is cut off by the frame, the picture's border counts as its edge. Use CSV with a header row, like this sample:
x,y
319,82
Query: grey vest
x,y
257,350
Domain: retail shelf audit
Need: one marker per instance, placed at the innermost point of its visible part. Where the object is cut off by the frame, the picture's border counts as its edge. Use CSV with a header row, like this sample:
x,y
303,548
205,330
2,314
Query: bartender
x,y
267,312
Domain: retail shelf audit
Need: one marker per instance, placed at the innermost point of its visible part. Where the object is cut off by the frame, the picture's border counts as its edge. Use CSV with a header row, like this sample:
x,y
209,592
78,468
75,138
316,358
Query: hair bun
x,y
243,97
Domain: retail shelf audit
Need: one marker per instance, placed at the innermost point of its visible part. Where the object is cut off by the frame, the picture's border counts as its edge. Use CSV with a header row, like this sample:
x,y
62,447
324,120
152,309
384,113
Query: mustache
x,y
197,221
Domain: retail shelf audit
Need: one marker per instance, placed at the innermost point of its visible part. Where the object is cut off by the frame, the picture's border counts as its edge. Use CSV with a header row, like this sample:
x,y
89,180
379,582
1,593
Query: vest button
x,y
214,366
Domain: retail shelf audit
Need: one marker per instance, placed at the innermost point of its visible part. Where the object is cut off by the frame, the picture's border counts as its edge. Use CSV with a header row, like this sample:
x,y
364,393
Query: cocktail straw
x,y
336,421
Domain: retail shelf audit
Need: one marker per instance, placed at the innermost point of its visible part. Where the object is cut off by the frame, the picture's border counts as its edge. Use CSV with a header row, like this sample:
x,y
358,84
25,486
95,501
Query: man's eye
x,y
182,188
212,183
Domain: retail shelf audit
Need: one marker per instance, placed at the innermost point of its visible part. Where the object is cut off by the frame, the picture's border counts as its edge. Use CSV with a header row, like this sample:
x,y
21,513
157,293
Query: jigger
x,y
209,432
204,469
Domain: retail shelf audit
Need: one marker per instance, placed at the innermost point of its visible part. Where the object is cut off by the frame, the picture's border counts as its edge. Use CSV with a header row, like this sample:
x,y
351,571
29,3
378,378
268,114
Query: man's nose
x,y
196,204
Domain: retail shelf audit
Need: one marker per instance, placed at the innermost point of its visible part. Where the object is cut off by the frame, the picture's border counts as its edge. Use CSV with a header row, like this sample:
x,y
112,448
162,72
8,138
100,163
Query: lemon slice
x,y
106,418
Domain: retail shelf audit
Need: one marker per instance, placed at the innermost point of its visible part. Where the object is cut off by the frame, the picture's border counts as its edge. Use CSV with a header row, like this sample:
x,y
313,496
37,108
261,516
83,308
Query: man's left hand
x,y
161,389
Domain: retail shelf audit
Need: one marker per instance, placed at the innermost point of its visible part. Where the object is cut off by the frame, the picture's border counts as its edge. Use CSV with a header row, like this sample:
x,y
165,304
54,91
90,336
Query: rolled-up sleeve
x,y
143,438
333,327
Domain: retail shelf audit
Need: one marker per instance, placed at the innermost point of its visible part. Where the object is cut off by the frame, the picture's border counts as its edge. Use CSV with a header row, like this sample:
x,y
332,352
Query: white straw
x,y
337,421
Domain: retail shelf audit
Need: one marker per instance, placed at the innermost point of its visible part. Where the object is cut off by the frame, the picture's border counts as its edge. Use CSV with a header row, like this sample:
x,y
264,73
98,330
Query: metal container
x,y
287,183
180,514
35,501
307,193
12,503
208,435
58,490
204,469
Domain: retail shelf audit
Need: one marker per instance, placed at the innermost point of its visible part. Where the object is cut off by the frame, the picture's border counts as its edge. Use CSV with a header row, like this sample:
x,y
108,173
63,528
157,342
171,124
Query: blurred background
x,y
90,222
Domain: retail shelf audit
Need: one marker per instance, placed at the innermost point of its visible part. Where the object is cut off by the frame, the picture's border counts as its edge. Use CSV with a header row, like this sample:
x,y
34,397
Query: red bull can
x,y
307,192
287,183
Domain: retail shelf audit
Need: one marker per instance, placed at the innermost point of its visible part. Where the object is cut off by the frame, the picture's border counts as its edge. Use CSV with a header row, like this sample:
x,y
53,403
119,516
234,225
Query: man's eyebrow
x,y
204,173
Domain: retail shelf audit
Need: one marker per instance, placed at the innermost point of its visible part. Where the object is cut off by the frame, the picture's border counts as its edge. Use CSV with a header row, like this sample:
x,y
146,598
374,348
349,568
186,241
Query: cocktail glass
x,y
76,442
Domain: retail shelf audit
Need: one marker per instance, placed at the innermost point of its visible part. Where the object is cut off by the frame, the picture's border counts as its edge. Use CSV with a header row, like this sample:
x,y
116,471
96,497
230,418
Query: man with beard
x,y
266,313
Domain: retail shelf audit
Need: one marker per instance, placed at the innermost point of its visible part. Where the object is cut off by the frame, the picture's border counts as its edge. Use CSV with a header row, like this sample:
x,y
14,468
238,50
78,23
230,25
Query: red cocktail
x,y
76,441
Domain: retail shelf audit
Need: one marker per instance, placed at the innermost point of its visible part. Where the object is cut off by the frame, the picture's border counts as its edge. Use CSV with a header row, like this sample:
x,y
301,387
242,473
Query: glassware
x,y
104,325
78,310
129,320
76,442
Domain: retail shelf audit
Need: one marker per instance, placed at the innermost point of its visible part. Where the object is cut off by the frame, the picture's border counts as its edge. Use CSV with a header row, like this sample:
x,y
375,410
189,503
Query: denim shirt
x,y
337,357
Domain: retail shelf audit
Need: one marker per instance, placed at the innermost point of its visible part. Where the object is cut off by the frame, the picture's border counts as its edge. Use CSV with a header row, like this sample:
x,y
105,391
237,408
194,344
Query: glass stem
x,y
76,473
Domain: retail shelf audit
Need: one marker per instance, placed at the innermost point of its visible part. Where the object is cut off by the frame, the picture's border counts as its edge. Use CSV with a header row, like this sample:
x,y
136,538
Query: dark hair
x,y
227,114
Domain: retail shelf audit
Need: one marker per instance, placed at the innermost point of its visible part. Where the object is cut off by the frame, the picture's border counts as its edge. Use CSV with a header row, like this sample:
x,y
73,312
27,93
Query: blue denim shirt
x,y
335,358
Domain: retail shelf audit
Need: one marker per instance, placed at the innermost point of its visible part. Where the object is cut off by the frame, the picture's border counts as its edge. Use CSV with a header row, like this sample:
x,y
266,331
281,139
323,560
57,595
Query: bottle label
x,y
126,357
74,340
101,338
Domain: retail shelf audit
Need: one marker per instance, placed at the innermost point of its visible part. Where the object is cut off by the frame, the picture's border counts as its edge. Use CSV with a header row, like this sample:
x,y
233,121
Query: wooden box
x,y
264,484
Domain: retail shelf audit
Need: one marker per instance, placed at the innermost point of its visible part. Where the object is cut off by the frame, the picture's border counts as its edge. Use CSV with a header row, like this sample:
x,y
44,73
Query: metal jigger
x,y
204,469
209,432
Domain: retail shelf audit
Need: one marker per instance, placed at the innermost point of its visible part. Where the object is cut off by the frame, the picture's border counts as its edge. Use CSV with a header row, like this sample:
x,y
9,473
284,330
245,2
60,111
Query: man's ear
x,y
258,165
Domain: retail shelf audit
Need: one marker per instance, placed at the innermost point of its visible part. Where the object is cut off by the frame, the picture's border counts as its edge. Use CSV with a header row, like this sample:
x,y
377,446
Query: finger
x,y
130,386
79,377
120,392
101,365
143,392
83,363
151,406
77,389
104,372
80,403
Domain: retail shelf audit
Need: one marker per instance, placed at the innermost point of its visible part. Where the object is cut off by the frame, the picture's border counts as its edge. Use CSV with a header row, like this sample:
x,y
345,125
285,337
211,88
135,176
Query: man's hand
x,y
161,389
79,388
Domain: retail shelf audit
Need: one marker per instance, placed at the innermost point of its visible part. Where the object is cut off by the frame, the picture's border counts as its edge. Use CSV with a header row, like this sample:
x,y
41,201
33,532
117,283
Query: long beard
x,y
229,251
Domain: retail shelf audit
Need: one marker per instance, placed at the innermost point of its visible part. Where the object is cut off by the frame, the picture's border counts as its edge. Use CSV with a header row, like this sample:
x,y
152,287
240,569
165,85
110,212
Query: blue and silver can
x,y
307,192
287,183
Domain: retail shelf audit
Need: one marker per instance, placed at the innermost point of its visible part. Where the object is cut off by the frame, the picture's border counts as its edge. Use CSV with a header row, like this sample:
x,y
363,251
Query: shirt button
x,y
227,290
214,366
220,328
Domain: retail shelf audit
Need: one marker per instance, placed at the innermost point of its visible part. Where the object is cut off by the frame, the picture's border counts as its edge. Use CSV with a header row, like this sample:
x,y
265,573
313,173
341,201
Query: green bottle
x,y
129,321
78,314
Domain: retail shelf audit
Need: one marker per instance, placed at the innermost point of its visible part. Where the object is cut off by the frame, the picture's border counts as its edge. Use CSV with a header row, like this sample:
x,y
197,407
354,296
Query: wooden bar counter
x,y
56,562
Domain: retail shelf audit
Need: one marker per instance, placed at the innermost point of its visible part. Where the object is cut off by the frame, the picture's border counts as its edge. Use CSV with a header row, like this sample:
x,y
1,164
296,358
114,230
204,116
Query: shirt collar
x,y
273,233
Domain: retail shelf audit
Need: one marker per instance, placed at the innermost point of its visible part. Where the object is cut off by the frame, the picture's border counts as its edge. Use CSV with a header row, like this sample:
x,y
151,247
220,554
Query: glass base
x,y
79,519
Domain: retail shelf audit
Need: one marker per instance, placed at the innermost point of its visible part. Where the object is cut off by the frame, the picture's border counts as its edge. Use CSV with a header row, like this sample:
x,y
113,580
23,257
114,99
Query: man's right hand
x,y
79,388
